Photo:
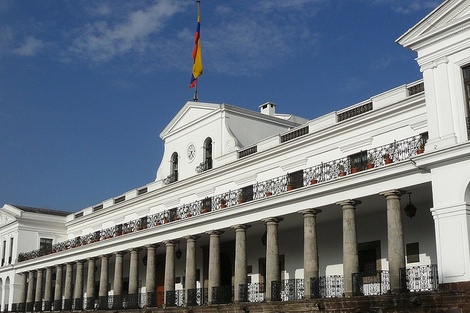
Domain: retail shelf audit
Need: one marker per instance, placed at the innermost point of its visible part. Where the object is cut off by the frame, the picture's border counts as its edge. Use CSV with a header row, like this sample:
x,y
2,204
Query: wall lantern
x,y
410,209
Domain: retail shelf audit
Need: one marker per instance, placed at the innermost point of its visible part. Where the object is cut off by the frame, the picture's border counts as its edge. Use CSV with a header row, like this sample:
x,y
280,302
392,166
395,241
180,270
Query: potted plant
x,y
420,149
313,181
387,158
341,170
354,169
240,199
370,162
268,193
223,203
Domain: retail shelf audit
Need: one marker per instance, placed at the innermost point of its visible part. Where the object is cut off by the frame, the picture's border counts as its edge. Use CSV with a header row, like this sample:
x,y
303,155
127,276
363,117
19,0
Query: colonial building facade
x,y
260,207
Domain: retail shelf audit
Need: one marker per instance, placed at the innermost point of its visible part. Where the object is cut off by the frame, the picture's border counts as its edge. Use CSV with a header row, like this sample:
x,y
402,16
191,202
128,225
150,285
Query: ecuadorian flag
x,y
197,59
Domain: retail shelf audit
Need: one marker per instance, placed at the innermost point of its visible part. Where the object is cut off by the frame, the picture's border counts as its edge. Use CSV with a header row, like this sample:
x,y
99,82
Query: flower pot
x,y
240,200
268,193
354,169
342,174
420,151
289,187
388,160
369,165
313,181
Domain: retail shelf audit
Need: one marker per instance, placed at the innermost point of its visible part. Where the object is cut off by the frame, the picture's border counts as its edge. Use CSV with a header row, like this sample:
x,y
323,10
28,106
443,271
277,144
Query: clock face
x,y
191,152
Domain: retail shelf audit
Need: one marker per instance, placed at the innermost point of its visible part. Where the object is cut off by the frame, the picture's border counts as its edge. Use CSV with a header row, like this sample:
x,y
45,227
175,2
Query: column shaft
x,y
30,295
214,266
169,284
48,290
38,295
396,246
103,291
240,281
58,288
350,254
273,272
90,284
150,276
310,253
190,288
23,292
134,278
68,287
117,290
78,288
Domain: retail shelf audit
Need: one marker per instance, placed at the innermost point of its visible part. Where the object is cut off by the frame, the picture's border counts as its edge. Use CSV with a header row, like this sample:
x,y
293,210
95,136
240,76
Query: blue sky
x,y
86,87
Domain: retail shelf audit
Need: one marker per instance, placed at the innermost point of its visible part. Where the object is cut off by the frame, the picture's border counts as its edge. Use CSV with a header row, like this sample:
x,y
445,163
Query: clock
x,y
191,152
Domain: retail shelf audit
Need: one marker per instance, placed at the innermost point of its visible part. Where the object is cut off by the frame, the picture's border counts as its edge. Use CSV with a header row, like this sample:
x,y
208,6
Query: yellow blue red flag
x,y
197,58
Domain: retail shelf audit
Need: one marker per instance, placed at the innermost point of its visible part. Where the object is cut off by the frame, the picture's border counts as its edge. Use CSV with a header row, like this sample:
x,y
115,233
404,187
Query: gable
x,y
191,113
450,17
6,219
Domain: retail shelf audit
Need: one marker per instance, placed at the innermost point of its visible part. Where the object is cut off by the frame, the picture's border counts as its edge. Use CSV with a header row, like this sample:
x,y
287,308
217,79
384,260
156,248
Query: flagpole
x,y
195,93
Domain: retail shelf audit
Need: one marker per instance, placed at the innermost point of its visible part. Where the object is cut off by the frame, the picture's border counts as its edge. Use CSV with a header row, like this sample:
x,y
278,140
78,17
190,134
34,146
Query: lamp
x,y
178,252
410,209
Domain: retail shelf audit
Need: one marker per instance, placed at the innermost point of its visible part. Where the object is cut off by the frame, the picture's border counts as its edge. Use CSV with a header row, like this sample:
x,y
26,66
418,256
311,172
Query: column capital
x,y
192,237
241,227
59,266
349,203
310,212
275,220
215,232
107,255
170,242
121,253
93,258
152,245
393,193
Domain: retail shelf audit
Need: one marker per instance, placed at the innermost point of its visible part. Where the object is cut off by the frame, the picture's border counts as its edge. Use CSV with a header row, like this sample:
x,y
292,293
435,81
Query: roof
x,y
41,210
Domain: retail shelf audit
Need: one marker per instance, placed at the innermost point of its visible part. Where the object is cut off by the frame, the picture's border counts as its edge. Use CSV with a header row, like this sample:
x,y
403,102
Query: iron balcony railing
x,y
376,157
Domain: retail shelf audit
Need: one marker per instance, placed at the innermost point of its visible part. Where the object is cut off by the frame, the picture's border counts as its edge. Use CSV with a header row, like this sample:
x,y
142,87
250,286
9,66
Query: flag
x,y
197,58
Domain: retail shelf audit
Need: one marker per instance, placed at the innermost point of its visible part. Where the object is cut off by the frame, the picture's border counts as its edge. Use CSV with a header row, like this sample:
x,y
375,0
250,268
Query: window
x,y
174,167
466,82
295,180
45,245
208,153
4,251
412,252
11,250
358,161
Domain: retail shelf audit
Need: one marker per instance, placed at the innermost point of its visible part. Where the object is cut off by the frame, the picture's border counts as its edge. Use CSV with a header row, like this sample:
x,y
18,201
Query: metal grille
x,y
294,134
354,112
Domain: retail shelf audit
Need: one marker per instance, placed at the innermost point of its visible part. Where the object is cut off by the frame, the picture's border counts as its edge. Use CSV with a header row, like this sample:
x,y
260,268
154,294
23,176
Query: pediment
x,y
6,219
450,17
190,113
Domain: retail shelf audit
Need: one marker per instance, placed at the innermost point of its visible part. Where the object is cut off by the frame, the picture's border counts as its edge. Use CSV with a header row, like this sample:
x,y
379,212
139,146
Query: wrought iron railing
x,y
204,166
373,283
331,286
255,292
379,156
419,278
222,294
171,178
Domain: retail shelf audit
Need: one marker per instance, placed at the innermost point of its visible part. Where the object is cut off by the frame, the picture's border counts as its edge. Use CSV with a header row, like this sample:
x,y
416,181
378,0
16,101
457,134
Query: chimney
x,y
268,108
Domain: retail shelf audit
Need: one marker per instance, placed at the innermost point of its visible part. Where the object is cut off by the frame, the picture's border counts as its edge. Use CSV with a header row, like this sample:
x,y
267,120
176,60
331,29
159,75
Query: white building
x,y
251,206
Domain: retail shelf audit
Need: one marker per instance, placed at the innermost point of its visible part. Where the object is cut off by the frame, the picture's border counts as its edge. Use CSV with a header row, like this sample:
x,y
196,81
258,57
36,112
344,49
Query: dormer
x,y
201,135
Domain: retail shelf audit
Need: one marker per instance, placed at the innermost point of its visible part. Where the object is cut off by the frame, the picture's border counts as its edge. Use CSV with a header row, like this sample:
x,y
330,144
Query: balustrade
x,y
396,151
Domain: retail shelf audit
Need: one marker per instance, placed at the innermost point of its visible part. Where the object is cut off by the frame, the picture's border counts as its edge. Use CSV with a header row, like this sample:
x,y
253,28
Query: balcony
x,y
327,171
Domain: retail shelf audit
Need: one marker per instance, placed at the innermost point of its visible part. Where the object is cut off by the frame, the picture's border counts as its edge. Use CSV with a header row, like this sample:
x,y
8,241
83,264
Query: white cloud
x,y
30,47
104,39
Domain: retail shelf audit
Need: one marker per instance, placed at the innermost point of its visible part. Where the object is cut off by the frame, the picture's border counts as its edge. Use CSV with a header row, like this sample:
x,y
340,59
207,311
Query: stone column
x,y
350,254
58,288
78,288
190,287
169,284
214,265
24,287
48,290
134,278
90,285
310,253
240,281
396,245
30,295
68,287
38,296
150,276
273,272
103,291
117,291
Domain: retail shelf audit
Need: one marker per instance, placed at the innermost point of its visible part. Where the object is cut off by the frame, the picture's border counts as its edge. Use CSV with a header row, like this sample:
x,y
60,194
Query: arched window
x,y
174,167
208,153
